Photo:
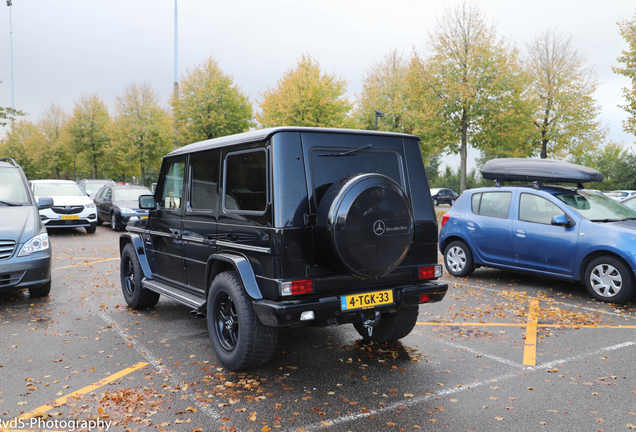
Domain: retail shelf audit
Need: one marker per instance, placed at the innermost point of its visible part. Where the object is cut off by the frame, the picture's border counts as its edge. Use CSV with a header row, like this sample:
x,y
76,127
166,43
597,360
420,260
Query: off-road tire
x,y
238,337
392,326
131,274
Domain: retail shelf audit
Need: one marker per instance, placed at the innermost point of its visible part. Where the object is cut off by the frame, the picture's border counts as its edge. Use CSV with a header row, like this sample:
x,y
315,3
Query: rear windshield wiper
x,y
347,153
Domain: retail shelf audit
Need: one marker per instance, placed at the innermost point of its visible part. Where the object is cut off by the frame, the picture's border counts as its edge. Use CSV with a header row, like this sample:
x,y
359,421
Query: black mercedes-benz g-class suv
x,y
288,226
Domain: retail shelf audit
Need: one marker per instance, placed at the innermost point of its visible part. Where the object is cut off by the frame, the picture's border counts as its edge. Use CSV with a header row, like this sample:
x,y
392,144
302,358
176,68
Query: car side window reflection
x,y
536,209
495,204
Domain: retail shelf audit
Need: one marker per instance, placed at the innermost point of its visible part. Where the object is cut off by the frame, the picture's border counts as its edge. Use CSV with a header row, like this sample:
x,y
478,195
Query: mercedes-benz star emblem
x,y
379,227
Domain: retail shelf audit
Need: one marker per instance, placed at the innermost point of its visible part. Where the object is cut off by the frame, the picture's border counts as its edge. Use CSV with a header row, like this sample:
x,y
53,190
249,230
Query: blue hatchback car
x,y
558,231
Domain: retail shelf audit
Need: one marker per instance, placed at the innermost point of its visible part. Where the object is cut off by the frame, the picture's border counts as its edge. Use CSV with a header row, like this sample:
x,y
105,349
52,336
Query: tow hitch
x,y
370,323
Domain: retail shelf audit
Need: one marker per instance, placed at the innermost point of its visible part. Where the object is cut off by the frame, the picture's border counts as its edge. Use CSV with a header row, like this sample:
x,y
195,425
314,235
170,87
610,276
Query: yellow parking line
x,y
85,263
530,348
478,324
83,391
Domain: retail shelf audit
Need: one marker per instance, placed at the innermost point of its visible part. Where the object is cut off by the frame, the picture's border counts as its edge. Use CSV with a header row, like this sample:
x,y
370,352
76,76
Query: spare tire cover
x,y
364,225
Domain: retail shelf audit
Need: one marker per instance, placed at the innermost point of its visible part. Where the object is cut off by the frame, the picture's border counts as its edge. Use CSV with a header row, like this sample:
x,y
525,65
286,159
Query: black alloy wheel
x,y
226,321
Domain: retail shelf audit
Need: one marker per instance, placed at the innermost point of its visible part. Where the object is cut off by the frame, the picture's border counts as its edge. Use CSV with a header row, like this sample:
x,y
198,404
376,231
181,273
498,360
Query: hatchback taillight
x,y
445,219
304,286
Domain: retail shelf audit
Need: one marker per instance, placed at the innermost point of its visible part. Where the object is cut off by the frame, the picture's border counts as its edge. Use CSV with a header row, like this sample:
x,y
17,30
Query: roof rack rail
x,y
11,161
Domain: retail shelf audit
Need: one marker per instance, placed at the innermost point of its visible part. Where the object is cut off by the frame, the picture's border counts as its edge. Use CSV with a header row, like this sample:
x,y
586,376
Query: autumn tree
x,y
141,131
627,29
562,88
384,89
305,96
19,143
53,156
468,90
209,105
88,129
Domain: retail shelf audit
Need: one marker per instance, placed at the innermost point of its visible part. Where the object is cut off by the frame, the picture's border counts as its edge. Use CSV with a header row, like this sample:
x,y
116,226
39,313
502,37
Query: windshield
x,y
12,188
130,194
57,189
596,207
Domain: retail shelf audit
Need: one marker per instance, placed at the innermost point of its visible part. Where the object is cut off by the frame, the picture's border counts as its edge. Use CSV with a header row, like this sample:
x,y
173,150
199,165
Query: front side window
x,y
495,204
204,191
536,209
246,182
12,189
172,192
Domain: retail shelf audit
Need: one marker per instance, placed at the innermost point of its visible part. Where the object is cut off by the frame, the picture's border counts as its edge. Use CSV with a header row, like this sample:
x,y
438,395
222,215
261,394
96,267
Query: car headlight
x,y
38,243
90,205
126,210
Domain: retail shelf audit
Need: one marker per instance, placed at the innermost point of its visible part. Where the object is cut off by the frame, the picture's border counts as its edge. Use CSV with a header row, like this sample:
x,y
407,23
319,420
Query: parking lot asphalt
x,y
503,351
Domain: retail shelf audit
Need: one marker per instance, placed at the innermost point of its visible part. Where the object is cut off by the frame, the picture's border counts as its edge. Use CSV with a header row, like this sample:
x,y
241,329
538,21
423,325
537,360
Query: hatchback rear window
x,y
328,165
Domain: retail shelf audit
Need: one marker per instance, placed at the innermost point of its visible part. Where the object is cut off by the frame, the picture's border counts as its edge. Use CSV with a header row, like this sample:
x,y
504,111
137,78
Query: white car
x,y
72,208
620,195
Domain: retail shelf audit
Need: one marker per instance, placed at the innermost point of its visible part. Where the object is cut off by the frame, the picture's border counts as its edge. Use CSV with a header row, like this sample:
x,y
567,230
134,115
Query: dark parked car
x,y
92,186
443,196
285,227
559,231
119,205
25,251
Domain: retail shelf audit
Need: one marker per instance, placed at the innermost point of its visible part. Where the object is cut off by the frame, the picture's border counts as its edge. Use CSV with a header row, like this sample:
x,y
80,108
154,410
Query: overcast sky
x,y
65,48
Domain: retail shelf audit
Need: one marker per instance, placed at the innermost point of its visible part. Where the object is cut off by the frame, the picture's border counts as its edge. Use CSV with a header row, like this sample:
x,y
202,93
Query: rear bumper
x,y
327,310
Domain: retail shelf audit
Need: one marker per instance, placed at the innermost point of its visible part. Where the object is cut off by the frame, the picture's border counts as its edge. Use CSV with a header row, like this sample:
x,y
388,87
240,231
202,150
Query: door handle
x,y
470,225
174,233
521,233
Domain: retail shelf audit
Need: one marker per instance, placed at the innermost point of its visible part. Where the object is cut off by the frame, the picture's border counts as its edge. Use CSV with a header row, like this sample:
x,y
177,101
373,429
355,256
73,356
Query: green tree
x,y
8,114
565,115
53,158
88,130
209,105
305,96
608,159
627,29
469,90
141,131
384,89
19,144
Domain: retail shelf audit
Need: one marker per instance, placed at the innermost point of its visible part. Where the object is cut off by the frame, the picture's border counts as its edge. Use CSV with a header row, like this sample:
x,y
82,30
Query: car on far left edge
x,y
25,251
72,208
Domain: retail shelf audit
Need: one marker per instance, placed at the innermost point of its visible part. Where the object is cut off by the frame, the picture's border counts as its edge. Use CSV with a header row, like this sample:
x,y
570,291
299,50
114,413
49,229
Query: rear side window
x,y
495,204
245,182
328,165
204,191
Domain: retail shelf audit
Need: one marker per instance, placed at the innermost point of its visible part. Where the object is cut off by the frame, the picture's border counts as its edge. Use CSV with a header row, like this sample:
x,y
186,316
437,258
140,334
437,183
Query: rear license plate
x,y
366,300
69,217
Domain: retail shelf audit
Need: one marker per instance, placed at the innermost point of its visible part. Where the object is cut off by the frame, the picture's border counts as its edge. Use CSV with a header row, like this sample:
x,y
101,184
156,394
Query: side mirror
x,y
44,203
562,221
147,202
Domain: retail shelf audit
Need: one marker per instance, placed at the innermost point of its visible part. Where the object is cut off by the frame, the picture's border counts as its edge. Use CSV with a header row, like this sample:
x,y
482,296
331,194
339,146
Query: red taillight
x,y
425,298
445,219
429,272
302,287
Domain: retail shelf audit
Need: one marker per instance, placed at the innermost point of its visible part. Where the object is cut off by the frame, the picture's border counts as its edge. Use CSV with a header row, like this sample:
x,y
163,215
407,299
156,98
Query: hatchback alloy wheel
x,y
606,280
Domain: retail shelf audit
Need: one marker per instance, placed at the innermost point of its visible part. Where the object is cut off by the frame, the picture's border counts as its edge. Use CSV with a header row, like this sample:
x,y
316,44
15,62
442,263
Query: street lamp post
x,y
9,3
378,113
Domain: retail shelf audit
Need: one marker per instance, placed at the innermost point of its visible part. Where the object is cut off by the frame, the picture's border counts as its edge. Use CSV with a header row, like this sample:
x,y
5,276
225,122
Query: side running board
x,y
187,299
